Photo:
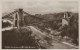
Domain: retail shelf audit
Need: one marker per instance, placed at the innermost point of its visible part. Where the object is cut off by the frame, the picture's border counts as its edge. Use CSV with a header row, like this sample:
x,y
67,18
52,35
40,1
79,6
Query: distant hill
x,y
54,16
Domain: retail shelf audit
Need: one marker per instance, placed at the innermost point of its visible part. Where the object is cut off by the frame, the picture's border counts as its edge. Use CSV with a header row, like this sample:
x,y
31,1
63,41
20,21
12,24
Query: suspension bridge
x,y
20,18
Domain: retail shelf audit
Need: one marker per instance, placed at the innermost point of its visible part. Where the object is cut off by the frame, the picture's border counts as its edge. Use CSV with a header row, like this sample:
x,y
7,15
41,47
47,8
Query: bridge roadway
x,y
41,36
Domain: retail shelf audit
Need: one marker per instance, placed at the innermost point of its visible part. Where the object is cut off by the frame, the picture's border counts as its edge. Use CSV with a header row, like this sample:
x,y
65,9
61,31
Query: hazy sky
x,y
40,6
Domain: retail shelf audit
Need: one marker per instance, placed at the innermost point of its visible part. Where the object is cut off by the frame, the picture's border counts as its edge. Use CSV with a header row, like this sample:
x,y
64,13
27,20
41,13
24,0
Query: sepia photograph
x,y
40,24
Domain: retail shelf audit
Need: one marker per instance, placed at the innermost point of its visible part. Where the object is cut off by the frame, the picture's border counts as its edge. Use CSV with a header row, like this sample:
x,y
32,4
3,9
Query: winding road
x,y
55,44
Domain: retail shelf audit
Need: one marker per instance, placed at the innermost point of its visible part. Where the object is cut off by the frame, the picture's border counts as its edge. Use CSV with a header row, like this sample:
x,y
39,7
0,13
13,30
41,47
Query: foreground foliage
x,y
18,39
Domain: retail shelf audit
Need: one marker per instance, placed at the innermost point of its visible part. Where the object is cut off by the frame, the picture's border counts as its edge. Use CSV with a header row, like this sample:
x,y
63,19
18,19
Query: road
x,y
55,44
37,33
9,27
5,20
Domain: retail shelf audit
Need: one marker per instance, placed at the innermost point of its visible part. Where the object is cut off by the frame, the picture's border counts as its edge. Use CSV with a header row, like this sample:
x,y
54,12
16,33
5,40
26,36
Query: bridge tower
x,y
65,20
19,19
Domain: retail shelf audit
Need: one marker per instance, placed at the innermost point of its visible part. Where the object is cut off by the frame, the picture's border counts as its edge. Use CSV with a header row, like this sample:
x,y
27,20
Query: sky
x,y
40,6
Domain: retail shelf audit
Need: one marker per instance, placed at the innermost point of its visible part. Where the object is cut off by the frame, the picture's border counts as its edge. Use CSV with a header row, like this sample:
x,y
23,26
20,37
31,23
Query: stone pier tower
x,y
19,19
65,19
